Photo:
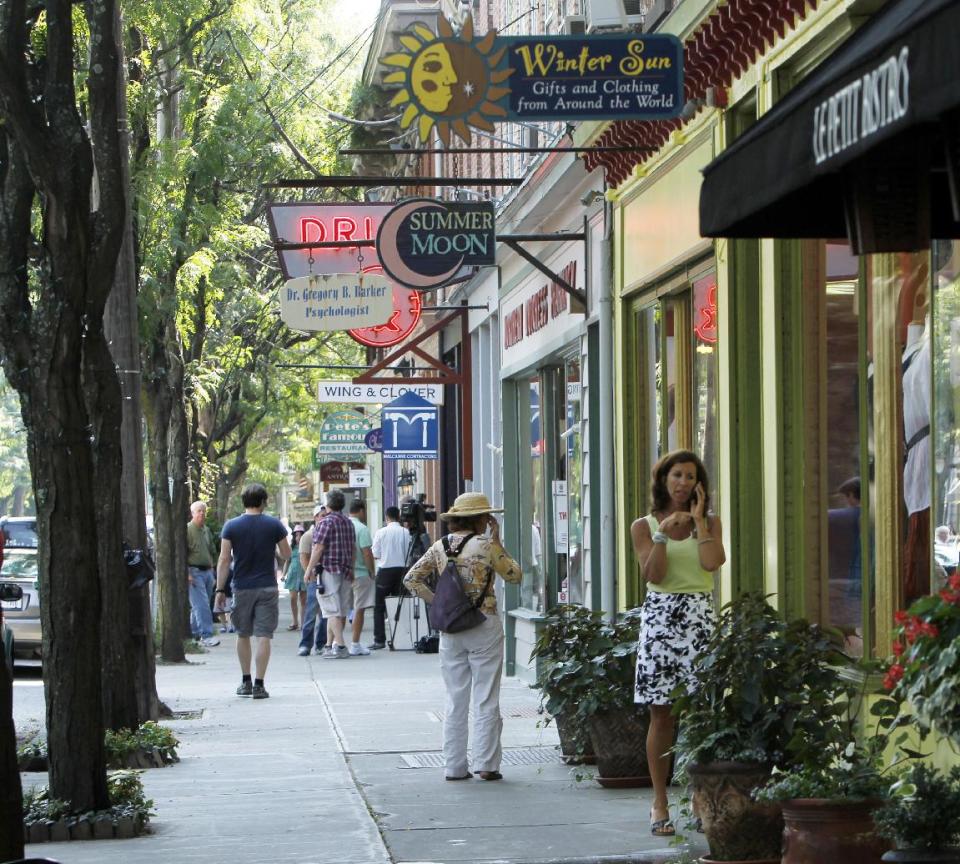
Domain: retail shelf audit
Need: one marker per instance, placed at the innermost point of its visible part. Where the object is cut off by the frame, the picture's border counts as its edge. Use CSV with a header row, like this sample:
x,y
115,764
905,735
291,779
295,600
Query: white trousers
x,y
472,662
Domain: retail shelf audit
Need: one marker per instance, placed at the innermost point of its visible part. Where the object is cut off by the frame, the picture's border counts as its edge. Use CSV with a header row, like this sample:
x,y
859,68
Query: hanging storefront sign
x,y
337,472
407,310
453,81
336,301
422,242
410,428
342,435
359,478
374,440
324,223
346,392
300,511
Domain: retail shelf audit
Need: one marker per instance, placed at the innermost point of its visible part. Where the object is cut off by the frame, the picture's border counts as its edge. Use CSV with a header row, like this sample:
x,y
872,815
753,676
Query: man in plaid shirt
x,y
333,554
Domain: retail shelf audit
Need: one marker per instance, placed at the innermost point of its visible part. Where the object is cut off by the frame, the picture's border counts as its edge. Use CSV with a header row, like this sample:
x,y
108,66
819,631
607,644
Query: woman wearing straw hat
x,y
471,661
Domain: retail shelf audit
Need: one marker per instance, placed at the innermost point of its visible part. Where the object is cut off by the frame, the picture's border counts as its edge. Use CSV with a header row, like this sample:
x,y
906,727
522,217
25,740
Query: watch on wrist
x,y
220,591
659,537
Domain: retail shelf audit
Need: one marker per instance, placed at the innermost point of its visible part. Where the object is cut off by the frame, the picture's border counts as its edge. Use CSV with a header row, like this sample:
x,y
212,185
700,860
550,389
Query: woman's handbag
x,y
451,610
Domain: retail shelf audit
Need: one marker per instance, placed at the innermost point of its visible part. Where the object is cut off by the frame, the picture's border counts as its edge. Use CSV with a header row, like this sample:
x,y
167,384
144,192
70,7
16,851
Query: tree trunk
x,y
122,331
117,660
19,496
171,583
11,793
182,496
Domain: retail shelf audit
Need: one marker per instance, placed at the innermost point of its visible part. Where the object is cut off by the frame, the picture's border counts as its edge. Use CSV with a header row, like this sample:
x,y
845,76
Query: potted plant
x,y
764,690
925,670
565,636
828,807
597,685
922,817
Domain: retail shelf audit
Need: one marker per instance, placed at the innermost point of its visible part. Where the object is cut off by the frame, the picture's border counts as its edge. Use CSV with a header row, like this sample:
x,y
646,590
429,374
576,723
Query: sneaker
x,y
260,692
210,642
223,628
303,652
358,650
245,688
376,646
326,651
231,629
336,652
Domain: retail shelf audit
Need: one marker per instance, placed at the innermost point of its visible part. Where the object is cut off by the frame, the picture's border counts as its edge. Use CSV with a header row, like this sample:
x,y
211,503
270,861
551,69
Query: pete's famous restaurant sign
x,y
538,313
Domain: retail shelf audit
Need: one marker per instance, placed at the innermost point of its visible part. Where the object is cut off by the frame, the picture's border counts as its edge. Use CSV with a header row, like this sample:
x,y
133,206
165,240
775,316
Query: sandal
x,y
490,775
293,626
467,776
662,827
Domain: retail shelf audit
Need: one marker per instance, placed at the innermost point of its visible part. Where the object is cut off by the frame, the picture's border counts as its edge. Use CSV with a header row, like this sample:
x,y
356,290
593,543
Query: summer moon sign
x,y
336,301
422,242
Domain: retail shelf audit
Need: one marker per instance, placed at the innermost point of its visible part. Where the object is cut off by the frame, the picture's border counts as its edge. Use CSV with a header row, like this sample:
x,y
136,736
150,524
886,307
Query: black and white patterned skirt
x,y
674,628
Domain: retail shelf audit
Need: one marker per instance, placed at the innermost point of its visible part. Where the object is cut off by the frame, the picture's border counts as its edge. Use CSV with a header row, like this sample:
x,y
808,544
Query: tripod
x,y
414,553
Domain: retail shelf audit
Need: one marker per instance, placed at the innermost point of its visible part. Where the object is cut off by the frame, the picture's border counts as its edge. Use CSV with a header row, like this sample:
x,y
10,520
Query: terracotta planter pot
x,y
575,745
819,830
924,856
737,828
620,743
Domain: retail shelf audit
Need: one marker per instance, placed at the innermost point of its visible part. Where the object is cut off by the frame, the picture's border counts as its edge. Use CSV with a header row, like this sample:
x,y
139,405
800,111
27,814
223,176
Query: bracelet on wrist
x,y
220,591
660,537
705,540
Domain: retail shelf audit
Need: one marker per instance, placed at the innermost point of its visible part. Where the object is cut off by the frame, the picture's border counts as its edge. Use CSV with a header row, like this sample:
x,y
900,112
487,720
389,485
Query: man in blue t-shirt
x,y
253,540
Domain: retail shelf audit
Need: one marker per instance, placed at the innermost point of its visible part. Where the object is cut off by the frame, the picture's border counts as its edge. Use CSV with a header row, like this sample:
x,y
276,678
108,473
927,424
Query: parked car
x,y
11,599
20,568
20,532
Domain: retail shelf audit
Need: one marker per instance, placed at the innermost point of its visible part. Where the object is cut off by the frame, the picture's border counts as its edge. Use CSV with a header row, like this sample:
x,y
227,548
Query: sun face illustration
x,y
449,82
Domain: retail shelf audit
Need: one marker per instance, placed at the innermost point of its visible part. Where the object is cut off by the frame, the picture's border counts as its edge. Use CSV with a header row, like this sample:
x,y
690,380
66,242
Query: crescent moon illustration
x,y
389,255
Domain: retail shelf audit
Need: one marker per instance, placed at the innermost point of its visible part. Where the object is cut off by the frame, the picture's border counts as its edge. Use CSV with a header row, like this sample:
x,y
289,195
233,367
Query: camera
x,y
416,513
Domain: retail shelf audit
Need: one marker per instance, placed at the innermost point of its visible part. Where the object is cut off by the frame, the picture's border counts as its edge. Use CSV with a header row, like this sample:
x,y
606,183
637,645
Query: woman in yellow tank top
x,y
679,547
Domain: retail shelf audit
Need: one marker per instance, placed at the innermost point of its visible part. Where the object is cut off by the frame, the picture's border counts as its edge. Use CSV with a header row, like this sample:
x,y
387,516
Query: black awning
x,y
868,145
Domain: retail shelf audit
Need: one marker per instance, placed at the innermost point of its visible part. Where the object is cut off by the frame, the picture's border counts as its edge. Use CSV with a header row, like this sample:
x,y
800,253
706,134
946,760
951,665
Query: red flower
x,y
955,581
950,596
897,649
900,617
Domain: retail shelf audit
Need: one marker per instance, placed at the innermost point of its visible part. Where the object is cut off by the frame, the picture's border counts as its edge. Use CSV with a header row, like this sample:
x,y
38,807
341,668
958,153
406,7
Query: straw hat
x,y
470,504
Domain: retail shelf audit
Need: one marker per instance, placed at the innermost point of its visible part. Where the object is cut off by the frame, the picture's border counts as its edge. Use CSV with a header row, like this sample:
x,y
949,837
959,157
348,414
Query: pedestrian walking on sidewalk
x,y
364,568
680,547
331,563
200,576
471,661
294,581
312,620
390,547
253,540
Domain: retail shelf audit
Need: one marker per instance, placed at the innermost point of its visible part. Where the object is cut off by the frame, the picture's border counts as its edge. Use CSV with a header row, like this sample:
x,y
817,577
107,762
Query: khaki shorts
x,y
337,596
256,611
364,590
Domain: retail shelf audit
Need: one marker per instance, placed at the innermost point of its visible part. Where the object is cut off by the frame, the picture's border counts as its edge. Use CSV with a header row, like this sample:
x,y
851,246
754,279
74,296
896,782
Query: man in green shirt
x,y
200,575
364,568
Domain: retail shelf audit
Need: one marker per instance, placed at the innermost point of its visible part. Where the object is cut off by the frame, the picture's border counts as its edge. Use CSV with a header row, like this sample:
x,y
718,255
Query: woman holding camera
x,y
471,661
679,547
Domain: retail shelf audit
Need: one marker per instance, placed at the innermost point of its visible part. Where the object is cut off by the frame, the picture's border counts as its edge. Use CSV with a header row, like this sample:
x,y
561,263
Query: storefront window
x,y
842,397
669,369
570,443
648,332
705,378
533,587
946,395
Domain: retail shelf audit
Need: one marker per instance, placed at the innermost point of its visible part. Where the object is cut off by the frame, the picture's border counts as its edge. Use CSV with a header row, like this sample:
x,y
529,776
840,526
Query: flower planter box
x,y
575,745
819,830
620,743
737,828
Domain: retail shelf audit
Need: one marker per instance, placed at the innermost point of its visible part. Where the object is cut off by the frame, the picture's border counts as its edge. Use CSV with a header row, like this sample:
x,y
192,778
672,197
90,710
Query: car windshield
x,y
21,534
19,567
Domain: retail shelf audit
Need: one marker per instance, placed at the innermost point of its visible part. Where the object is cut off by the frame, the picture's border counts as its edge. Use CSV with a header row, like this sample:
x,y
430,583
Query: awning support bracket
x,y
514,241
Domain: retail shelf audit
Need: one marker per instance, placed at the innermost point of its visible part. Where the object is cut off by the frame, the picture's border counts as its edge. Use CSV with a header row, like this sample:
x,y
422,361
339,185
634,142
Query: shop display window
x,y
842,424
533,586
568,533
705,442
945,428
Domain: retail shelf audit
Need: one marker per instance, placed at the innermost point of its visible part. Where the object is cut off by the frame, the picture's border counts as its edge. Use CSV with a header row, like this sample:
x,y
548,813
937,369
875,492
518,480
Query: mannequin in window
x,y
916,378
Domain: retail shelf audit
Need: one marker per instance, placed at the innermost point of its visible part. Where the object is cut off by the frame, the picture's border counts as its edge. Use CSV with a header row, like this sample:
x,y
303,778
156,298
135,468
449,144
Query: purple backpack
x,y
452,611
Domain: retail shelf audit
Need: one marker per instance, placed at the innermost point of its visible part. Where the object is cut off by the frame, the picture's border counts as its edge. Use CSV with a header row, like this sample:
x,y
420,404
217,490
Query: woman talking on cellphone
x,y
680,548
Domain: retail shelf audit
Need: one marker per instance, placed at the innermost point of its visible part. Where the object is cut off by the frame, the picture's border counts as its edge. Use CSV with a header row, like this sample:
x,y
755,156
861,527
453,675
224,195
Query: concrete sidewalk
x,y
342,764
